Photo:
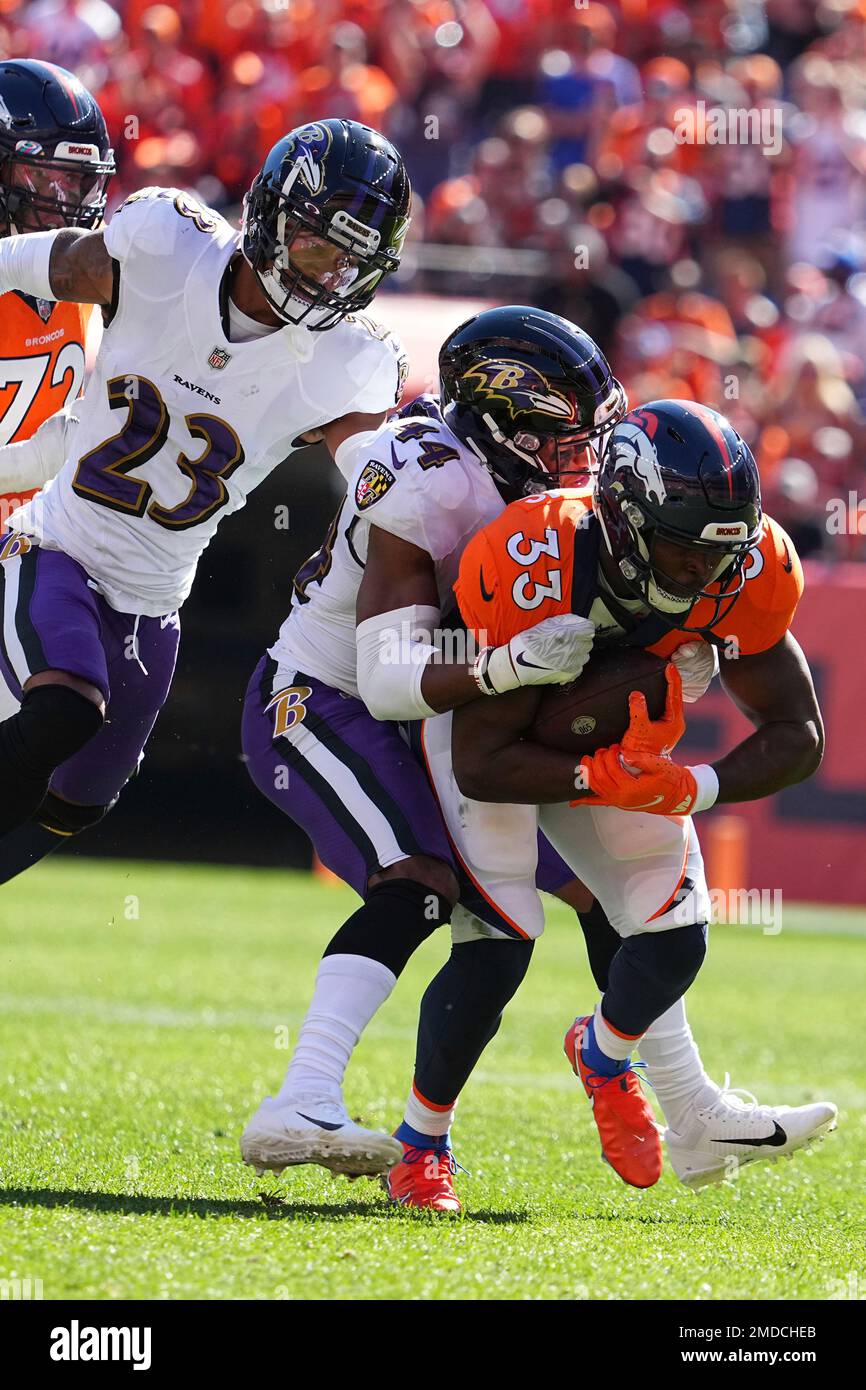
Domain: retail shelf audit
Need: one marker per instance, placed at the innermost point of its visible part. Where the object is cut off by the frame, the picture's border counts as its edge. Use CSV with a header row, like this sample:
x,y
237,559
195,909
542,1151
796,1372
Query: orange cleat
x,y
630,1140
422,1178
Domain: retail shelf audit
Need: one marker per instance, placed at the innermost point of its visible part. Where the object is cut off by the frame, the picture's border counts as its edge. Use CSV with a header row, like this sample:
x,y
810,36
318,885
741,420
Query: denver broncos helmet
x,y
528,392
55,157
324,221
678,471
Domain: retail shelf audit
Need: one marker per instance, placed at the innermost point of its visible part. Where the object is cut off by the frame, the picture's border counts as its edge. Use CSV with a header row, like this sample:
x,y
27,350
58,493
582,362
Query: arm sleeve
x,y
32,462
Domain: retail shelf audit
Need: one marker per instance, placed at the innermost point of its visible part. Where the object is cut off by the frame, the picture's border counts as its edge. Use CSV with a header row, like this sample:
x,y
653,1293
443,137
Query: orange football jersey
x,y
41,362
533,559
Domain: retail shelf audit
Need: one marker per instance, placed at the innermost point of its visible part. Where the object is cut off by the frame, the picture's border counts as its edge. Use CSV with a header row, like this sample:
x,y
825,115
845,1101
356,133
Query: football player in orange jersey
x,y
55,166
671,547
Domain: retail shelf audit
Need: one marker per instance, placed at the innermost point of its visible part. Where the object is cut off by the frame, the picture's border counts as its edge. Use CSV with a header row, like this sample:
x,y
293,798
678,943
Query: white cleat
x,y
734,1130
312,1128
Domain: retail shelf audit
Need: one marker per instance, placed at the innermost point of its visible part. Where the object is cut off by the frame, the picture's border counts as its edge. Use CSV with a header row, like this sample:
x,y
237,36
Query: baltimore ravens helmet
x,y
324,221
528,392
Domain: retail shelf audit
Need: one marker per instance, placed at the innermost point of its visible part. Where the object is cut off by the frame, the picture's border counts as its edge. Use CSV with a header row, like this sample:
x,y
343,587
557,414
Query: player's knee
x,y
434,874
67,818
672,957
54,722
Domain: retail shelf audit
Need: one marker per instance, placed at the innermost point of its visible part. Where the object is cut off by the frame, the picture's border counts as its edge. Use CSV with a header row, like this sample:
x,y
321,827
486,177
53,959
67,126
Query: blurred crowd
x,y
685,180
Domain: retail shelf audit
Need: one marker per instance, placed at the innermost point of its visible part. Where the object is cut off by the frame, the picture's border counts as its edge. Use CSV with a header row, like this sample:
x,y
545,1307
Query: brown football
x,y
592,712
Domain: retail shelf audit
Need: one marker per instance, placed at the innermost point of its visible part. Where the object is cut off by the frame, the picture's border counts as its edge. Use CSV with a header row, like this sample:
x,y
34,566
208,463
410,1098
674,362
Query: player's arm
x,y
69,264
493,761
400,672
774,690
32,462
336,432
400,577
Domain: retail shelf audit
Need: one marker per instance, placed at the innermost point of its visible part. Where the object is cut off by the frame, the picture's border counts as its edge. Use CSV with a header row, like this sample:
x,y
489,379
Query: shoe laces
x,y
414,1154
739,1099
596,1079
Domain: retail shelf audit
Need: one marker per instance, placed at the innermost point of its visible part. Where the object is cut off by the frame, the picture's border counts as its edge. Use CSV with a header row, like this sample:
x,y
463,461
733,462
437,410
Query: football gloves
x,y
698,664
553,652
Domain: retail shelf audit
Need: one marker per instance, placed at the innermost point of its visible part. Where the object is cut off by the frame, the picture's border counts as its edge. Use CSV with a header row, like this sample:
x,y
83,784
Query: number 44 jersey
x,y
413,478
179,423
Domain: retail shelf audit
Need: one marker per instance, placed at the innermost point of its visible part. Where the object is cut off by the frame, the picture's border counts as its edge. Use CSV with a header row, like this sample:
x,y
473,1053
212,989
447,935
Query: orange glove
x,y
661,736
658,785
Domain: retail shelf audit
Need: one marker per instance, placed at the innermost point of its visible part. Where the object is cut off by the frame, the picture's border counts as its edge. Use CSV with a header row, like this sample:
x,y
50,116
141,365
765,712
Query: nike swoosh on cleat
x,y
774,1140
323,1124
484,594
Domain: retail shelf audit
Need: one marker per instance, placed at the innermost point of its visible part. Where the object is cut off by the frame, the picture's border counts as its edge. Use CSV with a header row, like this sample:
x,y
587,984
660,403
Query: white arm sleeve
x,y
32,462
24,263
393,651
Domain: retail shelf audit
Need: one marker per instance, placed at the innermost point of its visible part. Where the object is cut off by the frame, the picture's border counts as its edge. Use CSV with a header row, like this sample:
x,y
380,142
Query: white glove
x,y
31,462
697,663
553,652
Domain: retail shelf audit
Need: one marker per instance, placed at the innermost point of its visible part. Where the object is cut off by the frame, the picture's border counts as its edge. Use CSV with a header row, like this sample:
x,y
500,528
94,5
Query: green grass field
x,y
143,1012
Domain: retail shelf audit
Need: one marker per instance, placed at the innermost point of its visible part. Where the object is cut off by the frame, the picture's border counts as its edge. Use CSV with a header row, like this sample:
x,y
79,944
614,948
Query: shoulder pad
x,y
150,221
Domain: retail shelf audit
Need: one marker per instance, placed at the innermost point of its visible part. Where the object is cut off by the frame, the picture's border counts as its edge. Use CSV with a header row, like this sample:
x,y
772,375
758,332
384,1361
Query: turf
x,y
144,1011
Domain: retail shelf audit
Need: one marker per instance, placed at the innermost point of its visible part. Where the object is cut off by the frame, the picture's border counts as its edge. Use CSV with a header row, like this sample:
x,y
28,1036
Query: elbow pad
x,y
24,262
393,651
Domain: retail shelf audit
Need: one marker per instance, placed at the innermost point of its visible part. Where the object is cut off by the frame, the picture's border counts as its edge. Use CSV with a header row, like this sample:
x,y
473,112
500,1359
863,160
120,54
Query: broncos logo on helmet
x,y
522,388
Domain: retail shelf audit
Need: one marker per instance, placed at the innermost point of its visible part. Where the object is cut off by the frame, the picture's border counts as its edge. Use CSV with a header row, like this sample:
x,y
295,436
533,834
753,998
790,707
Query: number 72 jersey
x,y
41,361
179,423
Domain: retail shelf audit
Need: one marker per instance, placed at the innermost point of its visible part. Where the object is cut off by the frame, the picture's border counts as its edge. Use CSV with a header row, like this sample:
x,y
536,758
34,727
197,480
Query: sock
x,y
419,1140
423,1117
603,1049
674,1067
349,990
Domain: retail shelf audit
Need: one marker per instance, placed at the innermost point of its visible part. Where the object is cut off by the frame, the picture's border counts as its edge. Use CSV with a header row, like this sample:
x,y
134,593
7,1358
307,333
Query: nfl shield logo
x,y
218,358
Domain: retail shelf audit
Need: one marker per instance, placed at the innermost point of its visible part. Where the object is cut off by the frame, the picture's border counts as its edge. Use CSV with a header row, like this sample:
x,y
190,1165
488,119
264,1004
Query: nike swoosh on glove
x,y
553,652
660,736
698,664
657,784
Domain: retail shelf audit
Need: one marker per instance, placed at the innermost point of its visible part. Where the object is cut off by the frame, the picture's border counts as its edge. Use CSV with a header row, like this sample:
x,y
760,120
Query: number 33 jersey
x,y
412,478
539,558
179,423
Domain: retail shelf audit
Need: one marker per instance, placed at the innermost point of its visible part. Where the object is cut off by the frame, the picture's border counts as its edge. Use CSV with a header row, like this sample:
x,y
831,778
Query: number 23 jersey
x,y
178,423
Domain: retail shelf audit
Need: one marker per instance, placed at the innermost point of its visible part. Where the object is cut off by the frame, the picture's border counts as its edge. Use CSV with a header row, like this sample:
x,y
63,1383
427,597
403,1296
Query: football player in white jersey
x,y
321,741
221,353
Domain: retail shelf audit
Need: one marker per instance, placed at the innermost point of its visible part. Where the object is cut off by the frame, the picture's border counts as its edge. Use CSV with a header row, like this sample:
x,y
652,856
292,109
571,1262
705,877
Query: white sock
x,y
427,1118
674,1066
610,1042
349,990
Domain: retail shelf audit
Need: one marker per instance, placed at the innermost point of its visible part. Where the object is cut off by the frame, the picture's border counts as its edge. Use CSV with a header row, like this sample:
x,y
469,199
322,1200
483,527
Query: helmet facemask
x,y
312,271
647,580
43,192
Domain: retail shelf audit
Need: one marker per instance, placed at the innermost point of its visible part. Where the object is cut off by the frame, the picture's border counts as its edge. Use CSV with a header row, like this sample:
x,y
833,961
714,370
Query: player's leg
x,y
139,656
493,930
52,661
711,1131
647,873
355,787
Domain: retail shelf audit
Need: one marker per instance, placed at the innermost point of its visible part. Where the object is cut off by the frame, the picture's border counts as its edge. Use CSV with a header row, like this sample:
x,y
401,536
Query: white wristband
x,y
24,263
708,787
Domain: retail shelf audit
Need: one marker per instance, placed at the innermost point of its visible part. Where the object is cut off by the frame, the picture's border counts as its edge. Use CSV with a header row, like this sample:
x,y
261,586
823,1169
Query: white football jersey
x,y
411,477
178,423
